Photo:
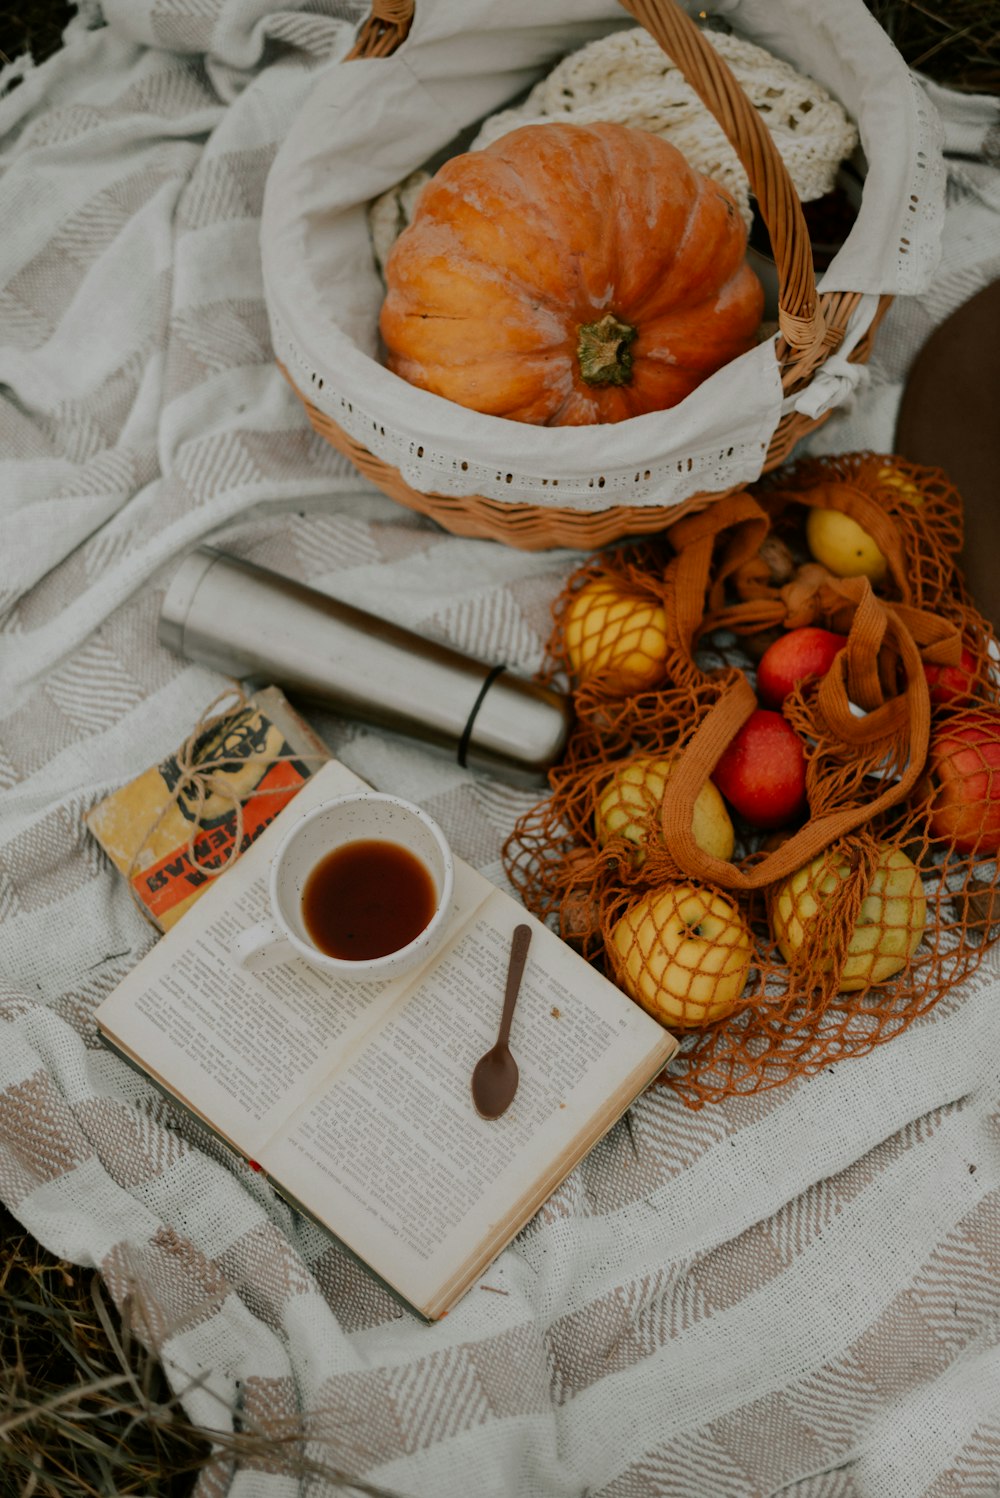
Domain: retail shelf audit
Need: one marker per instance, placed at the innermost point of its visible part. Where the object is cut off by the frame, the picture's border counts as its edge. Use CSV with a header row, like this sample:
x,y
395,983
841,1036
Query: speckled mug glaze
x,y
348,819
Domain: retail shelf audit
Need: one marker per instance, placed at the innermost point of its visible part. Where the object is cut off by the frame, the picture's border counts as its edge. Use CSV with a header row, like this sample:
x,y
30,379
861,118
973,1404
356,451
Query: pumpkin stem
x,y
603,351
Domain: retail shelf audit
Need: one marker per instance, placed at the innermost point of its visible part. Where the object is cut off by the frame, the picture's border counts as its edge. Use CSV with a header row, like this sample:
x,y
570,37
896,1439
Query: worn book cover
x,y
260,754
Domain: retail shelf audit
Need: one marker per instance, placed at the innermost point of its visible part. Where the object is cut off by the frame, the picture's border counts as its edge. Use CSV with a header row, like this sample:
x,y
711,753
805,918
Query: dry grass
x,y
85,1411
955,42
36,29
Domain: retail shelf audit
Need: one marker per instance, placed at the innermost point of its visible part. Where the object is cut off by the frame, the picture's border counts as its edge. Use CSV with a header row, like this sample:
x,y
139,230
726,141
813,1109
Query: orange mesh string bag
x,y
776,950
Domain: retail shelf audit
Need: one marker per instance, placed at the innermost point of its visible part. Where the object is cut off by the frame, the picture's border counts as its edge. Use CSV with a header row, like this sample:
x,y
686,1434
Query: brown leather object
x,y
949,418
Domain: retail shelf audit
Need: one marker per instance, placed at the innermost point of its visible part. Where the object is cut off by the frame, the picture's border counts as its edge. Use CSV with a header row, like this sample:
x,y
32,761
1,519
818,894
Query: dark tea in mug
x,y
367,899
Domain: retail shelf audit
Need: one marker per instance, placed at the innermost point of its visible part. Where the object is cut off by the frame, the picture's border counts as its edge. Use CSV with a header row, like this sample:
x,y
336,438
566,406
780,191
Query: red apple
x,y
799,653
947,683
762,773
964,767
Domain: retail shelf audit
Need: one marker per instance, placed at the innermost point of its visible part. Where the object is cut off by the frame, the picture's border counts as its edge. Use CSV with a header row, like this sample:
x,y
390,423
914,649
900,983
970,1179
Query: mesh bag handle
x,y
907,714
901,720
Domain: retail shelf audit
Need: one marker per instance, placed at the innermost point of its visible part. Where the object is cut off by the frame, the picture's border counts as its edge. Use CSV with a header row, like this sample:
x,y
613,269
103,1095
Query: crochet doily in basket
x,y
627,78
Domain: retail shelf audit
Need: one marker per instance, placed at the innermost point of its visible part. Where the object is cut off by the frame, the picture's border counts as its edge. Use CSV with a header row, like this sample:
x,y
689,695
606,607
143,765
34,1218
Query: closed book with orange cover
x,y
230,779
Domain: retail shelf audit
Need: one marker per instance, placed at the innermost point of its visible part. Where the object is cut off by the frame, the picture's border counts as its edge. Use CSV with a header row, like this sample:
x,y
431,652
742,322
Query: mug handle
x,y
261,946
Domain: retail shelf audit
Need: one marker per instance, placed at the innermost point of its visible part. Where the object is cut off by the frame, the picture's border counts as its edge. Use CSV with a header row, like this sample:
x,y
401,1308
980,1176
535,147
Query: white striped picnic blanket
x,y
793,1293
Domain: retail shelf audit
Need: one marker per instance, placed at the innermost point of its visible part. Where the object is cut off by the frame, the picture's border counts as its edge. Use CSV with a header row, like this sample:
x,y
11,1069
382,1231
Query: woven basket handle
x,y
800,316
387,25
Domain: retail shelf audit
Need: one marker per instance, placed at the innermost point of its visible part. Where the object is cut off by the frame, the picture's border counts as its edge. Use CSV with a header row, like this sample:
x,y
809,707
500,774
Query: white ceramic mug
x,y
365,816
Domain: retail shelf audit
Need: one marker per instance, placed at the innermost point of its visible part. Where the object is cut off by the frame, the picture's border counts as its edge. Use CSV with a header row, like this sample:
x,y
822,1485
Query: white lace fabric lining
x,y
627,78
461,65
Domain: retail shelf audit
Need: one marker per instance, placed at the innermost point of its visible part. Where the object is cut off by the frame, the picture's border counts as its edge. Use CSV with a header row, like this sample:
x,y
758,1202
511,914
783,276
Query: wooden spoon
x,y
495,1077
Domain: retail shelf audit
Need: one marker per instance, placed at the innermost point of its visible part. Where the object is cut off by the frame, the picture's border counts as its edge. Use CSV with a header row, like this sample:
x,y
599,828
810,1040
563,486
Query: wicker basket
x,y
811,326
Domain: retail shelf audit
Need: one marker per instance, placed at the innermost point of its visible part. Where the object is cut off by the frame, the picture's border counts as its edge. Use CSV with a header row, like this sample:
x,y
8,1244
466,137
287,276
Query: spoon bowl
x,y
495,1075
494,1082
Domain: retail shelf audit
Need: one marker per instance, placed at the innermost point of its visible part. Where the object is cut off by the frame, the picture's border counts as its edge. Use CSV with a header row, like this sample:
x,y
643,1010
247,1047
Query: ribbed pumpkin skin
x,y
554,226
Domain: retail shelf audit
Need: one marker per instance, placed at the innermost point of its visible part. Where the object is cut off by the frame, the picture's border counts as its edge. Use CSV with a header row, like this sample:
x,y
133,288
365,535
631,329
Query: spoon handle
x,y
515,968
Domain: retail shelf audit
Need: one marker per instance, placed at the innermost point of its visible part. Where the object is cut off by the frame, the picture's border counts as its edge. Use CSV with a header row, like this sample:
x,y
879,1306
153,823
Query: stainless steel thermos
x,y
247,621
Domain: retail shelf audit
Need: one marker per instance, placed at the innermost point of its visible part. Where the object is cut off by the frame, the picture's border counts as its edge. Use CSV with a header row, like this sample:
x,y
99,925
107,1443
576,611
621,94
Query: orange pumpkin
x,y
569,274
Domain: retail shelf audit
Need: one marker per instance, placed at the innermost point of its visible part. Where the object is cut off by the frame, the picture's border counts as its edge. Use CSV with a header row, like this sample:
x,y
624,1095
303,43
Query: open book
x,y
355,1098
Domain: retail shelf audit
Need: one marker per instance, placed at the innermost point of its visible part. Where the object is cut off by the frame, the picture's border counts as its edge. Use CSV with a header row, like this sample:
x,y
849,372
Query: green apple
x,y
629,804
683,953
890,922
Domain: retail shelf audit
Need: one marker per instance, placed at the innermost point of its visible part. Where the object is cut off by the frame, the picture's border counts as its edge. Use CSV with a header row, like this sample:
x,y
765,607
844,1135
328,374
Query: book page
x,y
355,1097
392,1156
244,1049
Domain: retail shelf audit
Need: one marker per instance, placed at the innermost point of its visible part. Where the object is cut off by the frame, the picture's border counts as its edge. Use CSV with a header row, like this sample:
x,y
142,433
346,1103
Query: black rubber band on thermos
x,y
466,739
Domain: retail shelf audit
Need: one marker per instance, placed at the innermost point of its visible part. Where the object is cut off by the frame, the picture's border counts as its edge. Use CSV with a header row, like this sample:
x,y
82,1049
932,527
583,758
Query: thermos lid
x,y
180,596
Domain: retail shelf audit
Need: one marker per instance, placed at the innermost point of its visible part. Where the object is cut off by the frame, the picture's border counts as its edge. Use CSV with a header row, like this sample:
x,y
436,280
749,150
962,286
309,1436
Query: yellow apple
x,y
629,803
620,634
891,475
840,544
683,953
890,922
